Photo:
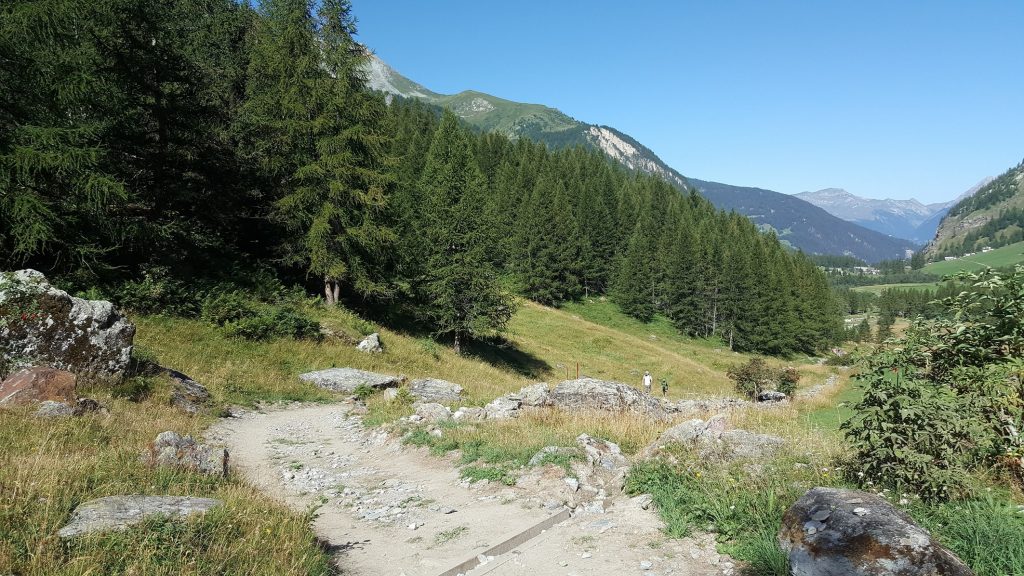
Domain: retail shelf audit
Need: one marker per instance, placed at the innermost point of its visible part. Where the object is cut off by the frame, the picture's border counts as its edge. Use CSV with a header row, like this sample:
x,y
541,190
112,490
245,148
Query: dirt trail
x,y
390,510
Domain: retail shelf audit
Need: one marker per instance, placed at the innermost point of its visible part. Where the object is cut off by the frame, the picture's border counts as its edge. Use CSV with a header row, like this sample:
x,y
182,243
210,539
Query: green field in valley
x,y
998,258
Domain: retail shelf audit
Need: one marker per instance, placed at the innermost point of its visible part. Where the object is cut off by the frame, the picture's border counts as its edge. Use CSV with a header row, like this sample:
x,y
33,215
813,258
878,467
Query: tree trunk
x,y
329,292
337,292
458,344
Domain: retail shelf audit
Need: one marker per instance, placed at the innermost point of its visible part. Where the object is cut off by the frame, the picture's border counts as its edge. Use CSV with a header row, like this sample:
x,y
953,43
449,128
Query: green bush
x,y
757,376
274,322
947,399
840,360
222,307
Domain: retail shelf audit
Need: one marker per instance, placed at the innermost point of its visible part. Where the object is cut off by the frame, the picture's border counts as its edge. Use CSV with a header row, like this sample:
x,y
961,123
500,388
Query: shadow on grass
x,y
501,353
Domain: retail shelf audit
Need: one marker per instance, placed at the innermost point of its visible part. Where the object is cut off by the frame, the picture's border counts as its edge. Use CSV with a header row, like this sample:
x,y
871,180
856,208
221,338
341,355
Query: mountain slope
x,y
899,218
802,224
993,216
558,130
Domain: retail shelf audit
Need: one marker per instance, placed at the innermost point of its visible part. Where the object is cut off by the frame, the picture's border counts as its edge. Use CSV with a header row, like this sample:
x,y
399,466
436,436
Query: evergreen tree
x,y
549,259
461,296
631,287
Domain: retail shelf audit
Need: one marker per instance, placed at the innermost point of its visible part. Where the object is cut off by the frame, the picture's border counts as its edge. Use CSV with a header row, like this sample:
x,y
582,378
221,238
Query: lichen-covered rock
x,y
432,411
833,531
370,344
714,442
435,390
40,324
348,379
593,394
38,384
51,409
605,469
188,395
469,414
536,395
115,513
174,450
503,407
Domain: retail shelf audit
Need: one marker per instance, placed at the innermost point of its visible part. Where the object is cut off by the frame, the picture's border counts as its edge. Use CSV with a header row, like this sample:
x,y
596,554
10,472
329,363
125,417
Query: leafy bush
x,y
757,376
223,307
274,322
840,360
947,399
158,293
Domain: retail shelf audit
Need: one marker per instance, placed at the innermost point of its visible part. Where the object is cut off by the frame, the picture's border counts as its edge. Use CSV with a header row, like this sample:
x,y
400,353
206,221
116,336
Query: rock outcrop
x,y
831,531
593,394
348,379
371,344
435,390
37,385
188,395
115,513
536,395
715,442
503,407
41,325
432,411
174,450
82,406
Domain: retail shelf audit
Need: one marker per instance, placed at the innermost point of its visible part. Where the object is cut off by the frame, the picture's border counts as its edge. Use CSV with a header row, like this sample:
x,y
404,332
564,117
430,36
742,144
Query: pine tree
x,y
461,296
631,288
337,206
549,261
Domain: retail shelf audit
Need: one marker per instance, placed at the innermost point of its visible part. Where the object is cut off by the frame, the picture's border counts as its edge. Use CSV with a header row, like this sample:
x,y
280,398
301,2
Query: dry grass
x,y
48,467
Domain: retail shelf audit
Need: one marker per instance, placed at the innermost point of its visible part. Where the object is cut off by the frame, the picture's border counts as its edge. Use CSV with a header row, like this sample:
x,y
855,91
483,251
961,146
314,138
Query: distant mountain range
x,y
907,219
797,222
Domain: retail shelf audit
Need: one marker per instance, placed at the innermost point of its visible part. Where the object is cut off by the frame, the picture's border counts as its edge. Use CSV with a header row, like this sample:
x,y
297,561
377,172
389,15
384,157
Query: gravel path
x,y
386,509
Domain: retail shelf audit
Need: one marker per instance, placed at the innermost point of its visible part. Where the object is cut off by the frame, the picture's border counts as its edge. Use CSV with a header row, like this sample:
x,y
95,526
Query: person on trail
x,y
647,382
664,387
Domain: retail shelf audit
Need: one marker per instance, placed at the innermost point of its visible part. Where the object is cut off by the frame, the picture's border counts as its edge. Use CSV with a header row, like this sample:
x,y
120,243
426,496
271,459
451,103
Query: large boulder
x,y
503,407
432,411
37,385
40,324
115,513
593,394
833,531
370,344
435,390
174,450
348,379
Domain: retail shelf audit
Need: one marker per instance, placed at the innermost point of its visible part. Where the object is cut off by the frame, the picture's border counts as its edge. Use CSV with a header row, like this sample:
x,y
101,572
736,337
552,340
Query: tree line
x,y
206,141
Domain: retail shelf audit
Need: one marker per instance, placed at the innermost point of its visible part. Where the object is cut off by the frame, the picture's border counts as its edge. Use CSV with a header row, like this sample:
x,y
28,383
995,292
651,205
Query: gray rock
x,y
174,450
434,390
45,325
188,395
708,405
348,379
642,501
52,409
503,407
882,541
469,414
390,394
602,453
432,411
589,393
115,513
371,344
536,395
552,450
771,396
714,442
737,444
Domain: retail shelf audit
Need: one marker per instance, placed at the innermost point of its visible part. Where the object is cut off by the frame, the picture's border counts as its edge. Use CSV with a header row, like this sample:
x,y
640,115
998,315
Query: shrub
x,y
753,377
840,360
274,322
787,380
222,307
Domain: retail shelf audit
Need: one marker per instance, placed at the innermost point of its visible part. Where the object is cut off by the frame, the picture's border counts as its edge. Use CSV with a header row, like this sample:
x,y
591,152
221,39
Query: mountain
x,y
992,216
797,222
803,225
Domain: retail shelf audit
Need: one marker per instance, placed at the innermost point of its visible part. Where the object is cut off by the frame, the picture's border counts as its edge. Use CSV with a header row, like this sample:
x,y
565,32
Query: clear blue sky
x,y
891,99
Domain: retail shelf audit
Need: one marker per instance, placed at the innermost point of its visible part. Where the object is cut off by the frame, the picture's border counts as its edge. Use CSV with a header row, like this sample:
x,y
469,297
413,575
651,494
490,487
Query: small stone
x,y
563,563
861,511
586,555
646,565
813,527
821,515
412,526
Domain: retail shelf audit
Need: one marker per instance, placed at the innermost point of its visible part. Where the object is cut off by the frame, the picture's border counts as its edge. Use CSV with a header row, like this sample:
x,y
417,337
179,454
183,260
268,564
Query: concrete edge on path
x,y
510,543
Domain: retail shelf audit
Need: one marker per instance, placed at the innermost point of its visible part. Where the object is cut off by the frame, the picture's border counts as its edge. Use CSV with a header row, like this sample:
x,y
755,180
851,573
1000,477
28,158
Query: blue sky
x,y
890,99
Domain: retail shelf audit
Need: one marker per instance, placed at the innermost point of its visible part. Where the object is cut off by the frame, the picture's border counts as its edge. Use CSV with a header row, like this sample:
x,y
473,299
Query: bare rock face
x,y
833,531
371,344
40,324
189,396
348,379
174,450
435,390
603,475
590,393
115,513
37,385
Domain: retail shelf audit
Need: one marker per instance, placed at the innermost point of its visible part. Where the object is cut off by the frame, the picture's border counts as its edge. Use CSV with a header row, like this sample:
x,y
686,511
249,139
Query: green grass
x,y
998,258
877,288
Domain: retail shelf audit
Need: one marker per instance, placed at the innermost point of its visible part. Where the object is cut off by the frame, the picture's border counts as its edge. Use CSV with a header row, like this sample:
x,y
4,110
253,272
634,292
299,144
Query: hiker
x,y
647,382
664,387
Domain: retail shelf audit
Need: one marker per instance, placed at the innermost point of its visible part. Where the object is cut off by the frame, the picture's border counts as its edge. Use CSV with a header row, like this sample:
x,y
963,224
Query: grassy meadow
x,y
998,258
